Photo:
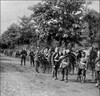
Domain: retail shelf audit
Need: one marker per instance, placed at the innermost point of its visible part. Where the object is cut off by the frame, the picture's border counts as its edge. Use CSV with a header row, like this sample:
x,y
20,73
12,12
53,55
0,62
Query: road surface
x,y
19,80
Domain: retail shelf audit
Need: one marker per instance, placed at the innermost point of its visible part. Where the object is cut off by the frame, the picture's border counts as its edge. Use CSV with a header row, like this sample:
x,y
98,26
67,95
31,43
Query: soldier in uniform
x,y
55,63
82,68
97,70
64,63
31,54
36,61
23,57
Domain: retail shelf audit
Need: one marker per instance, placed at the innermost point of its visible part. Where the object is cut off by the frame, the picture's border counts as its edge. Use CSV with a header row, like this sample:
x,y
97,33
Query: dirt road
x,y
18,80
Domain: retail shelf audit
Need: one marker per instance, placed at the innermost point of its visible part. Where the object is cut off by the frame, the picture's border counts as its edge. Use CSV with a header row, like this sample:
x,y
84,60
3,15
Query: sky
x,y
11,10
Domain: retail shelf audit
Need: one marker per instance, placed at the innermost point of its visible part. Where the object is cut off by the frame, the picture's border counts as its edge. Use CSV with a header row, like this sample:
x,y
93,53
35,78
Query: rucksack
x,y
64,62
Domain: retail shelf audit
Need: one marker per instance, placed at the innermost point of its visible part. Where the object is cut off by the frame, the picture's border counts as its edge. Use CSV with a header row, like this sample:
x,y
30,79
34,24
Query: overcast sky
x,y
12,10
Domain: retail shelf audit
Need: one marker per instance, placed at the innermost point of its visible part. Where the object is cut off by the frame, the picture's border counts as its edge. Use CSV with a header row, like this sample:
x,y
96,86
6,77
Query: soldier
x,y
92,58
23,56
36,61
31,54
55,63
64,67
97,70
79,55
82,68
72,61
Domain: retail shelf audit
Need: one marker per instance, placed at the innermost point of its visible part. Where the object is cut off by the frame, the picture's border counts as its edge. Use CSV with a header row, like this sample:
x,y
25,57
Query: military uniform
x,y
31,54
36,62
55,64
23,57
97,72
82,69
64,68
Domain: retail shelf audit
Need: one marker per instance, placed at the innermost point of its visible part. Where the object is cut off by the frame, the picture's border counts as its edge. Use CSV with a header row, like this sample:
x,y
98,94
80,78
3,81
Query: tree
x,y
27,30
11,35
60,20
93,19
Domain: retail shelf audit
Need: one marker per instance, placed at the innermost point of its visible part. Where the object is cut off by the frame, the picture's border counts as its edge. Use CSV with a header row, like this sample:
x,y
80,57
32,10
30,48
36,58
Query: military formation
x,y
64,61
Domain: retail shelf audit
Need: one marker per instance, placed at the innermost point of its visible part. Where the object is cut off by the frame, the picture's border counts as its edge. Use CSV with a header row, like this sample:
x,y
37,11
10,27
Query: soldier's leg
x,y
21,61
56,69
97,79
37,66
66,70
73,66
44,68
62,72
33,61
53,71
24,61
30,61
84,75
79,74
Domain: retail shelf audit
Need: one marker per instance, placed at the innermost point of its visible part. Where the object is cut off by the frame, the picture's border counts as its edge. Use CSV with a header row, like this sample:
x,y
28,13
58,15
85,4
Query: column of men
x,y
62,61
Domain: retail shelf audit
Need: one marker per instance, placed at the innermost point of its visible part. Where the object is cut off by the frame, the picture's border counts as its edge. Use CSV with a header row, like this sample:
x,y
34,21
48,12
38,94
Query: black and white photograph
x,y
49,48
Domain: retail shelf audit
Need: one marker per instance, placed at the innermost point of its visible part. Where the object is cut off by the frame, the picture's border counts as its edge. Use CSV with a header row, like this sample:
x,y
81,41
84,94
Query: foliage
x,y
10,37
55,23
59,20
93,20
27,30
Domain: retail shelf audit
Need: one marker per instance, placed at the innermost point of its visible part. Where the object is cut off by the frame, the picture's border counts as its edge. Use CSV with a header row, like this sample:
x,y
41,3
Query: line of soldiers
x,y
64,61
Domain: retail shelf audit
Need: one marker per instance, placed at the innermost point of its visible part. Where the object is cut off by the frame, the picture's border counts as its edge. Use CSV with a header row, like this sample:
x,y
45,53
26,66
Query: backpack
x,y
64,63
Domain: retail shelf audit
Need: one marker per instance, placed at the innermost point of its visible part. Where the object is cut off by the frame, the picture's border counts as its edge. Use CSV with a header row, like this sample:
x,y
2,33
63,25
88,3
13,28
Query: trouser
x,y
44,67
55,70
36,62
23,60
64,72
32,61
81,74
97,77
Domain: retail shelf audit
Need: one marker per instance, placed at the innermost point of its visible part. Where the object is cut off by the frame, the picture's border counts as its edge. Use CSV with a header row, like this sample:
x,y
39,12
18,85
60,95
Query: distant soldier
x,y
23,57
97,70
92,58
79,55
82,67
36,61
55,63
31,55
64,66
72,61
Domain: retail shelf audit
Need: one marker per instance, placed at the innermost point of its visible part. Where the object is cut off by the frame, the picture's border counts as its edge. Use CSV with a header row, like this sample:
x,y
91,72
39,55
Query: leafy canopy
x,y
60,20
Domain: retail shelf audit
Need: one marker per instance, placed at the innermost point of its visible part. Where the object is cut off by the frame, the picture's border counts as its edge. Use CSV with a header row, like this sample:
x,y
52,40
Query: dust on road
x,y
19,80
